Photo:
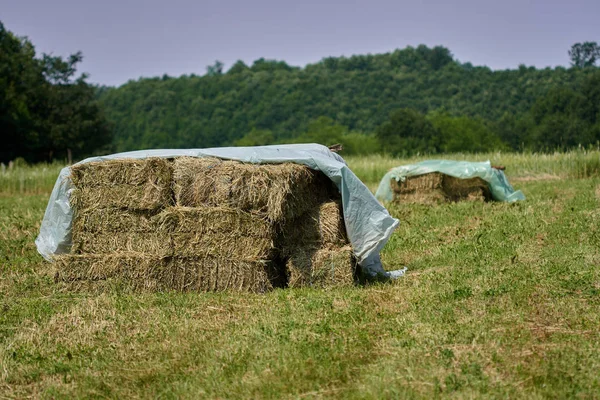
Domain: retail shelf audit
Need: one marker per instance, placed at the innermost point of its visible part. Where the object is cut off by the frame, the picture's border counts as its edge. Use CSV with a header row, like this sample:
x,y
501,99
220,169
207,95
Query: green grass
x,y
500,300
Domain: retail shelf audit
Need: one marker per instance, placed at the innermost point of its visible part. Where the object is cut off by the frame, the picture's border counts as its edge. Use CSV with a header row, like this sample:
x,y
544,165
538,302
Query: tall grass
x,y
29,179
573,164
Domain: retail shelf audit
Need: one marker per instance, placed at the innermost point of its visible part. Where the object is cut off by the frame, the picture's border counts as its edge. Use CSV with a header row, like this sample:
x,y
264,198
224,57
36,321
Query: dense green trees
x,y
414,100
584,54
272,102
45,111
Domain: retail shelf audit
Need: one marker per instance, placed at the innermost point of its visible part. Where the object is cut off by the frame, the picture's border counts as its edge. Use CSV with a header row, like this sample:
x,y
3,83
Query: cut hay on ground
x,y
323,225
148,272
322,268
275,191
436,187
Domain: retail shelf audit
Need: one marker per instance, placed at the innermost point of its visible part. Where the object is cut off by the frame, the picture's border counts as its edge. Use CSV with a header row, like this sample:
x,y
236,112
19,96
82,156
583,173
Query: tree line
x,y
412,100
46,111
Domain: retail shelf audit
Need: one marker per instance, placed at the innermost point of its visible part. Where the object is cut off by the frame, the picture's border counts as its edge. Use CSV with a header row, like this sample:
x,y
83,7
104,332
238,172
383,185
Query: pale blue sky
x,y
126,39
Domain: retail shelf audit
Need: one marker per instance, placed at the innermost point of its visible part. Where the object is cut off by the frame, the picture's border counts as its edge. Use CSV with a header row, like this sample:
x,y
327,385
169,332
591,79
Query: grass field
x,y
500,300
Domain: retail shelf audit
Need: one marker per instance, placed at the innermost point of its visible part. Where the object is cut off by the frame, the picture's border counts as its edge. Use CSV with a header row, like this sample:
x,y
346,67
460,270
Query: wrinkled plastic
x,y
368,223
500,188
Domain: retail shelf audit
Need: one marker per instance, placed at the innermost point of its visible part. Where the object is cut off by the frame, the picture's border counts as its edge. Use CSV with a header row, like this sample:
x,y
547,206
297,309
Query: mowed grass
x,y
500,300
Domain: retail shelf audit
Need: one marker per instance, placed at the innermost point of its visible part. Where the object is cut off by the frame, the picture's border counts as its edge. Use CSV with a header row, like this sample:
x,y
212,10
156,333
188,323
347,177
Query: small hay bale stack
x,y
435,187
204,224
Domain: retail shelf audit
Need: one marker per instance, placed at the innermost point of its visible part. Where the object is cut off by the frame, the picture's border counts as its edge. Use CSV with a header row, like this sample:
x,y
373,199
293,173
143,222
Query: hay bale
x,y
322,225
420,183
221,245
204,220
321,267
473,189
150,273
435,187
104,220
136,172
275,191
125,183
159,244
146,197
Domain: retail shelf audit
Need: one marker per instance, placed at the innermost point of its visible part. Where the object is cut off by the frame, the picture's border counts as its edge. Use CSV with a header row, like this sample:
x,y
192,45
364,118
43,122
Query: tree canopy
x,y
45,110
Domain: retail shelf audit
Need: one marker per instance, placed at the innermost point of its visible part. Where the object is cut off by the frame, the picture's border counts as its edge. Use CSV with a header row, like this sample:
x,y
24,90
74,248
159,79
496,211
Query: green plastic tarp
x,y
500,188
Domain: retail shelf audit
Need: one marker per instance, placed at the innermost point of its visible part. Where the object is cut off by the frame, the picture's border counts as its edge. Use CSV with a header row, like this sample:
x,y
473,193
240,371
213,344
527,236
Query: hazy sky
x,y
126,39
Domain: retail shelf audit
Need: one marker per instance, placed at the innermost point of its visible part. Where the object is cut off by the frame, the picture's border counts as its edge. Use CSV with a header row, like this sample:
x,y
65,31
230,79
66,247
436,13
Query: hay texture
x,y
323,225
143,272
436,187
122,183
321,267
205,224
134,172
275,191
184,231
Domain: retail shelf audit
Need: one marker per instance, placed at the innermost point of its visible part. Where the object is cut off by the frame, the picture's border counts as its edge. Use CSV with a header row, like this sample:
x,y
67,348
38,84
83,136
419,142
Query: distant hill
x,y
358,92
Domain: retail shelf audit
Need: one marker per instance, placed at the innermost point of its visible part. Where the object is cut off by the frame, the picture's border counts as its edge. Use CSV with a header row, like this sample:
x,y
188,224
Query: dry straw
x,y
321,267
276,191
205,224
148,272
135,172
146,197
323,225
437,187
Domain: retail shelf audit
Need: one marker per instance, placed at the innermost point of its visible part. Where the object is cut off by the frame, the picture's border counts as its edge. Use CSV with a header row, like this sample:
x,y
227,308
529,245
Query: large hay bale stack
x,y
205,224
436,187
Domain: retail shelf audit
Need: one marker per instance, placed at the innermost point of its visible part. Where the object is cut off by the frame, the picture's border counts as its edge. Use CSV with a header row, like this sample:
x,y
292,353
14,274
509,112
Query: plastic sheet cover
x,y
500,188
368,223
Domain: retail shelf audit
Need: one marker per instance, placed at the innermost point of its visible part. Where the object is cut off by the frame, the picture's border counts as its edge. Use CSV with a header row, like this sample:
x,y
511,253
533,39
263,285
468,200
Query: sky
x,y
126,39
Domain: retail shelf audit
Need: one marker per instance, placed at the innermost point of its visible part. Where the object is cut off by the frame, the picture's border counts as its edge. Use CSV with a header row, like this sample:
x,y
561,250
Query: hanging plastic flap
x,y
500,188
368,223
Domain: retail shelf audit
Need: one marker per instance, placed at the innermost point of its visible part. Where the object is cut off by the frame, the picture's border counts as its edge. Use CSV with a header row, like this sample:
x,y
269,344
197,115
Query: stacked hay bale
x,y
201,224
316,248
436,187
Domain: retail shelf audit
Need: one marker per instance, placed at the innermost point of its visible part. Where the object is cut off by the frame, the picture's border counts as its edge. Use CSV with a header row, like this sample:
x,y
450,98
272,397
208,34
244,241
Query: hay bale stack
x,y
205,224
435,187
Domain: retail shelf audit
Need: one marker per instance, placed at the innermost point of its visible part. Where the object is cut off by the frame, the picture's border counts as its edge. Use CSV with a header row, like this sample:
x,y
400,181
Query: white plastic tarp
x,y
500,188
368,223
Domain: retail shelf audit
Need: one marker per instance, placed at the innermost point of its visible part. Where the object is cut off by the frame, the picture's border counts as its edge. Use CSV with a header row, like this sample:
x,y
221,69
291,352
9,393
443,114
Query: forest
x,y
416,100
